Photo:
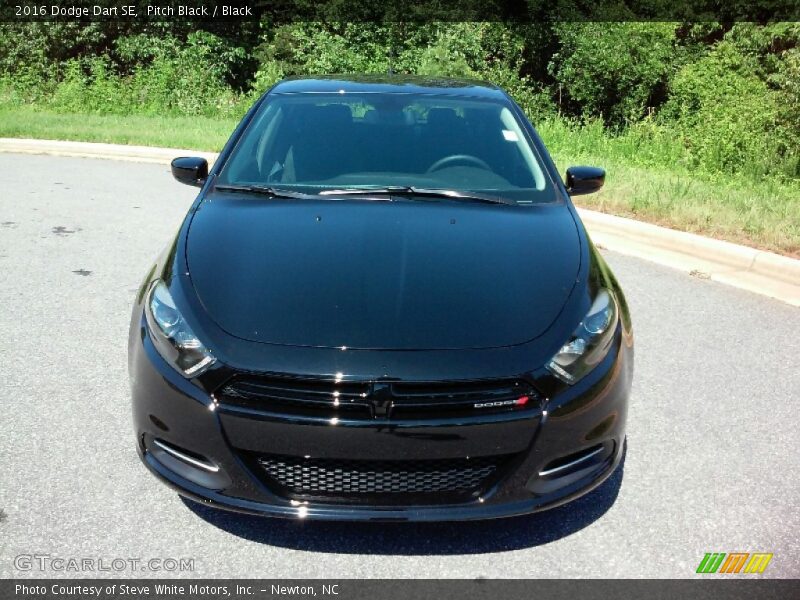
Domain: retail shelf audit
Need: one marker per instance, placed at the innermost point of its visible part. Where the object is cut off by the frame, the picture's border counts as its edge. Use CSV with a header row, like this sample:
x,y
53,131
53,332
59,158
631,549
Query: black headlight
x,y
172,337
590,342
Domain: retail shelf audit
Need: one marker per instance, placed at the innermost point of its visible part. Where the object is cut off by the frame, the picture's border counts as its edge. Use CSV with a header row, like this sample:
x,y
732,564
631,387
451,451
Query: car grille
x,y
297,396
376,400
434,400
443,480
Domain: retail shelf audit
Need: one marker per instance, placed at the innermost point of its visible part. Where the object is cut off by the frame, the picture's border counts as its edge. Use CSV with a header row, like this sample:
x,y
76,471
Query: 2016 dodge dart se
x,y
382,305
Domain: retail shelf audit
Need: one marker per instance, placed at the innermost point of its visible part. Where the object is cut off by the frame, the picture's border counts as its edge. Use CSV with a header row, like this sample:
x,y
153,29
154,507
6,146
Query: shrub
x,y
787,83
613,70
721,98
170,79
443,58
725,113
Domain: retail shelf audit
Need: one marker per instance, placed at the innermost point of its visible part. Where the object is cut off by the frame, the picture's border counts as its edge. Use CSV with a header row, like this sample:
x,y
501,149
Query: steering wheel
x,y
458,158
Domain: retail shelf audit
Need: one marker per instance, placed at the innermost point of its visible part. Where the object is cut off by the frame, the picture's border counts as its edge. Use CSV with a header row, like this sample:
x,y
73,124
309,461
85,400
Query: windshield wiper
x,y
412,191
264,190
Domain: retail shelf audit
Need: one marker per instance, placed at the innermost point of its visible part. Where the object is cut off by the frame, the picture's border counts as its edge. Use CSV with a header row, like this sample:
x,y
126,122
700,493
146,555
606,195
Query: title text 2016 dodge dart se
x,y
382,305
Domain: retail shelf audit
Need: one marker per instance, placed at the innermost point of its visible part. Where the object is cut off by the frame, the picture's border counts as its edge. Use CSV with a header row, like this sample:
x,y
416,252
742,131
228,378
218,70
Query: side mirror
x,y
584,180
191,170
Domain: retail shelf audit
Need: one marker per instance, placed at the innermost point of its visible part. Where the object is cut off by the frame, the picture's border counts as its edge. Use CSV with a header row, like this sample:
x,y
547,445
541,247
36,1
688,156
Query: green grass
x,y
647,178
763,214
196,133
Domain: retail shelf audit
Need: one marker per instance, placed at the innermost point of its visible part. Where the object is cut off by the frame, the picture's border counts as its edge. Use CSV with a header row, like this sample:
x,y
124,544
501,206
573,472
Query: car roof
x,y
388,84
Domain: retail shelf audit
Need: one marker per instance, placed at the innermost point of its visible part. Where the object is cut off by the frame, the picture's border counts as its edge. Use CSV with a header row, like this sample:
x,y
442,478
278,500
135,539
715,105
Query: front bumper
x,y
581,419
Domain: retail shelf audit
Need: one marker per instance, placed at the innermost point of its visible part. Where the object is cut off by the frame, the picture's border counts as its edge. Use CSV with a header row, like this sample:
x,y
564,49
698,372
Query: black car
x,y
382,305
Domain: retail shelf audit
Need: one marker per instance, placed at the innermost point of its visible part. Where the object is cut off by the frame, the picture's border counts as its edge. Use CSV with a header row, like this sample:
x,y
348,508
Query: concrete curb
x,y
145,154
758,271
727,254
762,272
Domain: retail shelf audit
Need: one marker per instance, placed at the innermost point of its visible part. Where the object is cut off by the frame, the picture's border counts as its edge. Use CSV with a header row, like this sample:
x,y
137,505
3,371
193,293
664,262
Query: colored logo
x,y
735,562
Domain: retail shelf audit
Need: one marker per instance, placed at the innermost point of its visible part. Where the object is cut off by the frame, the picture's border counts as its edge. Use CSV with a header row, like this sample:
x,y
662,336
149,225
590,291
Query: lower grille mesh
x,y
357,478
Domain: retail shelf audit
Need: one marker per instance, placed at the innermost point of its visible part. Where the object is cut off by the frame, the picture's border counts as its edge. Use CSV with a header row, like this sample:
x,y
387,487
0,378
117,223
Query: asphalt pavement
x,y
712,462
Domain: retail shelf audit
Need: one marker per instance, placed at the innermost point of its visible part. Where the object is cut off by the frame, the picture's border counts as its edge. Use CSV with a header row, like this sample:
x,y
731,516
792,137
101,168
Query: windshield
x,y
312,142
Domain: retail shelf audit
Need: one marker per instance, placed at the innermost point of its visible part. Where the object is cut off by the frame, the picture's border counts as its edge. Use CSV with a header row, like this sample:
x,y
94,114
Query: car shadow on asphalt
x,y
470,537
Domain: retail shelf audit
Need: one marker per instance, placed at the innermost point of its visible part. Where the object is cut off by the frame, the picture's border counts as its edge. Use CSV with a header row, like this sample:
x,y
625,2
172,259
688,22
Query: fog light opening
x,y
573,461
189,465
195,461
569,469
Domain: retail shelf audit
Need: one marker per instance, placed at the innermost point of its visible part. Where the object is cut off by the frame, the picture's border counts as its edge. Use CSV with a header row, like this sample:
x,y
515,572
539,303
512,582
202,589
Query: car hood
x,y
404,275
